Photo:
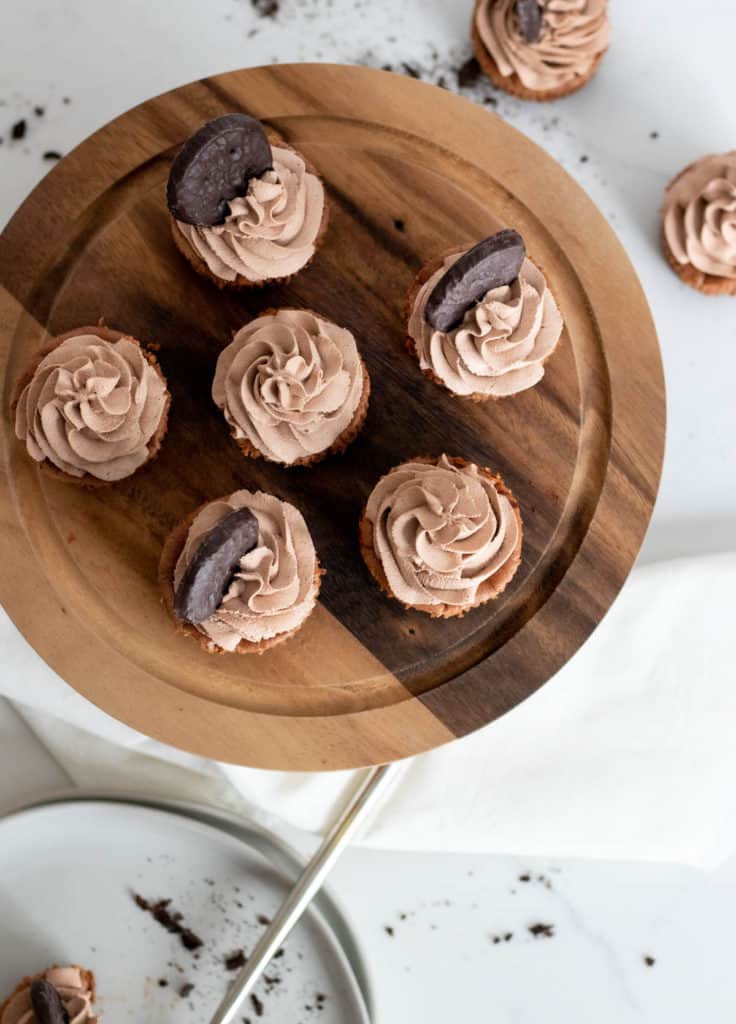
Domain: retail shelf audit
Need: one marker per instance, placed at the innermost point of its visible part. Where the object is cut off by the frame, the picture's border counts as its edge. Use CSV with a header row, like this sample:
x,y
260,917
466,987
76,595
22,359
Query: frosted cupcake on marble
x,y
699,224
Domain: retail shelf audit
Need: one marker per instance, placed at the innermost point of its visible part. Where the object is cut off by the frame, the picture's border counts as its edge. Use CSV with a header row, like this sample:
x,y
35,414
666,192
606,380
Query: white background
x,y
672,75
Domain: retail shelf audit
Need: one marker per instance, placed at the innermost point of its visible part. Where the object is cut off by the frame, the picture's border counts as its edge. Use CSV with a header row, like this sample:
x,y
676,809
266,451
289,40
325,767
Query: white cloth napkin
x,y
627,753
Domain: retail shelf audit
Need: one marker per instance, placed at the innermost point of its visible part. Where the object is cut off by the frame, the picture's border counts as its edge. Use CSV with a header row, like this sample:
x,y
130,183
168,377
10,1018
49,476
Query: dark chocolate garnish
x,y
529,13
491,263
213,564
214,166
46,1002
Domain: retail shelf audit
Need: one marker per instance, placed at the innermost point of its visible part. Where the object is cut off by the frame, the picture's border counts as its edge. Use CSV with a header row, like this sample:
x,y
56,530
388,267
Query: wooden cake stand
x,y
410,170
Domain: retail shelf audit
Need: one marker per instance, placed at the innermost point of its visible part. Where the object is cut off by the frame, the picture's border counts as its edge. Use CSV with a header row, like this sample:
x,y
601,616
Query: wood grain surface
x,y
410,170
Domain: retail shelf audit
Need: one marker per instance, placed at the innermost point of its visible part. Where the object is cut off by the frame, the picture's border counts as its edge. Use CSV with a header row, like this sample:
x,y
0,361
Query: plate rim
x,y
253,835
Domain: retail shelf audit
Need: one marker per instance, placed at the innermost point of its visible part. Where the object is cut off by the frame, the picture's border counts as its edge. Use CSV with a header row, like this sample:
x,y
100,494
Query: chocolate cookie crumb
x,y
163,983
186,989
52,154
189,940
411,70
265,8
388,930
468,73
649,961
525,878
262,919
18,131
235,961
65,100
39,111
654,135
545,931
257,1005
168,919
583,159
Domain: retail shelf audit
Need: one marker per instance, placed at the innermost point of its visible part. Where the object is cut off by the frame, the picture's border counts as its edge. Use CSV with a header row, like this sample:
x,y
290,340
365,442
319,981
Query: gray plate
x,y
67,868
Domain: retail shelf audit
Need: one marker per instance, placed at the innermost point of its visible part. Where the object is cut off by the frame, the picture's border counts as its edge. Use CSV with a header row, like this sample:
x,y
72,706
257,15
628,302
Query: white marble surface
x,y
672,76
441,962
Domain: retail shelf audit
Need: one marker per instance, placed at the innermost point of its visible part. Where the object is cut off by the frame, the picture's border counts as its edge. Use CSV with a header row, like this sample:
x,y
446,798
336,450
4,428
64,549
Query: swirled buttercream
x,y
501,345
276,586
289,384
699,215
446,533
271,231
573,34
92,407
75,994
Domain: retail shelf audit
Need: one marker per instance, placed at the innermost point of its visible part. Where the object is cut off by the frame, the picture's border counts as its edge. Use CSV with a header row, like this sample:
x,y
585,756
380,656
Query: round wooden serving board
x,y
410,170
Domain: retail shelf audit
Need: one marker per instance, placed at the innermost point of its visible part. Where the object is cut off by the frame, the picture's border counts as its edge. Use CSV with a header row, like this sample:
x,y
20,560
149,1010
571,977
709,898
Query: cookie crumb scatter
x,y
525,877
649,961
468,73
186,989
18,131
262,919
235,961
388,930
542,931
169,919
257,1005
265,8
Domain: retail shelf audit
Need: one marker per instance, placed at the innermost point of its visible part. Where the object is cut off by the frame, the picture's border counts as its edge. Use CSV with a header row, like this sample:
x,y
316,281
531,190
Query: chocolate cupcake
x,y
292,387
540,49
699,224
57,994
441,535
498,321
94,408
240,574
244,212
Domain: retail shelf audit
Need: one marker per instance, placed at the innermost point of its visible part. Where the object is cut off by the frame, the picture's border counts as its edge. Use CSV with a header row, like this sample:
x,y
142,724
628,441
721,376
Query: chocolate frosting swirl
x,y
277,584
92,407
573,34
443,533
502,343
270,232
69,982
289,383
699,215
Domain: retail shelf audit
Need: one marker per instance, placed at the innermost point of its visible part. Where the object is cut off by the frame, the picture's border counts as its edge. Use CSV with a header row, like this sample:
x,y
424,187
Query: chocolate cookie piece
x,y
46,1002
491,263
529,13
208,575
214,166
